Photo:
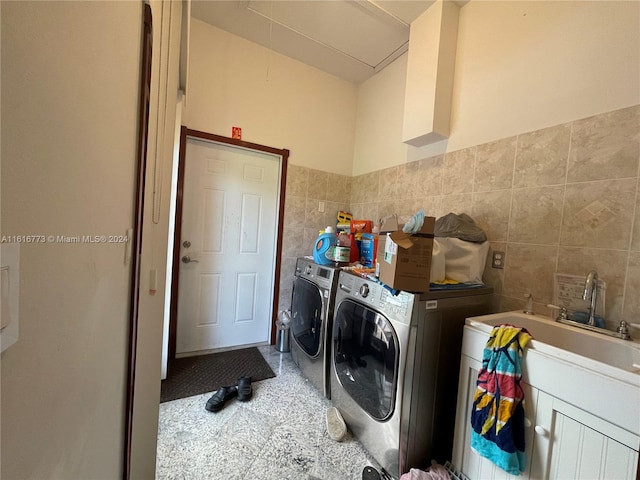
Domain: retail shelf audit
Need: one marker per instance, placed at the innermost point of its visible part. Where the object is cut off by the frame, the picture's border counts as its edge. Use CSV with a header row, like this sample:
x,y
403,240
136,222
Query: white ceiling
x,y
351,39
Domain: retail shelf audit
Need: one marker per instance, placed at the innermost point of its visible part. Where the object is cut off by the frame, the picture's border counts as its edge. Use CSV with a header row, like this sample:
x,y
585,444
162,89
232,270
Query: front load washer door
x,y
306,316
365,357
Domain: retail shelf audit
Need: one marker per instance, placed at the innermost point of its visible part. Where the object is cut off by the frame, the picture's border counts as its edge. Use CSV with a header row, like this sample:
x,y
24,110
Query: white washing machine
x,y
314,288
395,364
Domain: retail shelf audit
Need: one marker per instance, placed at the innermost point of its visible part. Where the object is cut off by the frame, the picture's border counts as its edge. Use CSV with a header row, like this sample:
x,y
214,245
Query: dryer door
x,y
365,357
306,316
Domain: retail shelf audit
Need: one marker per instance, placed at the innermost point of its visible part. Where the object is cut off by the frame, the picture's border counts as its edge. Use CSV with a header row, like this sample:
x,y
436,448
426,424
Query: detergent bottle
x,y
342,250
323,250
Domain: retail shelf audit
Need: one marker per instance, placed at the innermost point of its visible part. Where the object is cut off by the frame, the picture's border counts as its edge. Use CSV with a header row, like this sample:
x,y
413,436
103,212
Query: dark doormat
x,y
205,373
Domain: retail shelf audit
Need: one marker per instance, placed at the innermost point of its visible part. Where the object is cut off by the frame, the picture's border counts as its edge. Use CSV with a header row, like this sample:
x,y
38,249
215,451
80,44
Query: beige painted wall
x,y
276,101
69,108
520,66
378,141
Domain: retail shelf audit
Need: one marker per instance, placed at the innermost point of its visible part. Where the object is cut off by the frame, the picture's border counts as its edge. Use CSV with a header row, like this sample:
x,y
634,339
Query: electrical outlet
x,y
321,207
498,260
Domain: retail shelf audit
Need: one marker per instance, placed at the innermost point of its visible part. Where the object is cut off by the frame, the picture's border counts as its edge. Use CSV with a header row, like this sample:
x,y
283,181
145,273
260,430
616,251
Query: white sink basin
x,y
610,351
580,367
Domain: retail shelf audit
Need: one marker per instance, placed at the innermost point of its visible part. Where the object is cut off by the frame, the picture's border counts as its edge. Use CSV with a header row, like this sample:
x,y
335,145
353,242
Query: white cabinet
x,y
562,441
572,443
466,460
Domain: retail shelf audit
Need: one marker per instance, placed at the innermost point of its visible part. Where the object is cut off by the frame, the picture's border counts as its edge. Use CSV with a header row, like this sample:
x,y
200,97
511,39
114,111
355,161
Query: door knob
x,y
187,259
541,431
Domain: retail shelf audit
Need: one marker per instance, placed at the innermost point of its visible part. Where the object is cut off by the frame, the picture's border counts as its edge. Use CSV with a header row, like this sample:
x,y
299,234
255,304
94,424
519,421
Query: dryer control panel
x,y
321,275
400,307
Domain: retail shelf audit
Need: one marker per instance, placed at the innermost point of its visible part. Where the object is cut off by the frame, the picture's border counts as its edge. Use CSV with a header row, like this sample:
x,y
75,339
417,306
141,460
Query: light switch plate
x,y
10,255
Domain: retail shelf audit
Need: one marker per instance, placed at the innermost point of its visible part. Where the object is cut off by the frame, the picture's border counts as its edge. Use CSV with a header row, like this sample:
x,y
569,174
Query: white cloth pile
x,y
460,250
434,472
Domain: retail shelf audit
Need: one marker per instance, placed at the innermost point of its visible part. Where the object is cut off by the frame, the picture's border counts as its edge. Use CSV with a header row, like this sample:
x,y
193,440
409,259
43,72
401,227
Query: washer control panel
x,y
399,307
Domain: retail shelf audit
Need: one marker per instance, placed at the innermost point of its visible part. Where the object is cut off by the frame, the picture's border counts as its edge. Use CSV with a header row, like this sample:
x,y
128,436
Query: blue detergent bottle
x,y
323,248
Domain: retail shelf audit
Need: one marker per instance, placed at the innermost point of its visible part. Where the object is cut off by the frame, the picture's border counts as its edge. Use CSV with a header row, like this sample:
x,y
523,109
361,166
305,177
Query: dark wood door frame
x,y
284,154
136,240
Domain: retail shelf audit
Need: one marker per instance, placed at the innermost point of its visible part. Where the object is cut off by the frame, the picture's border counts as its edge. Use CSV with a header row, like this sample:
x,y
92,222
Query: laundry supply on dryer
x,y
357,229
361,226
368,247
463,261
460,226
460,247
342,249
324,248
404,259
438,270
415,223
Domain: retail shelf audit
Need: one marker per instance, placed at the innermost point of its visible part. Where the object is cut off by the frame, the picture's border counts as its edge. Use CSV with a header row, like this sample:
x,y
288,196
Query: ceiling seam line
x,y
312,39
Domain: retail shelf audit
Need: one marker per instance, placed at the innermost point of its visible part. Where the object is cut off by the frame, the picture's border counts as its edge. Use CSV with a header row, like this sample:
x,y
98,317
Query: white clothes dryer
x,y
314,288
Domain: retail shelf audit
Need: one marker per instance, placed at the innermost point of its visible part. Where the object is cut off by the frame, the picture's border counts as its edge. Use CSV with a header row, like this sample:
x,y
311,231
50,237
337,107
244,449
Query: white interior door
x,y
227,246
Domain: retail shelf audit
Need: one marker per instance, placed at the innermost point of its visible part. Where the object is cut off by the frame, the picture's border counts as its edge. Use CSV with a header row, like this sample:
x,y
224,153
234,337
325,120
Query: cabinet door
x,y
572,443
464,458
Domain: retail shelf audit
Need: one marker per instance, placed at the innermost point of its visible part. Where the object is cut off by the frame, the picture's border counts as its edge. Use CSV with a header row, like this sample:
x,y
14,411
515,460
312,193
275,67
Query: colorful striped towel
x,y
497,417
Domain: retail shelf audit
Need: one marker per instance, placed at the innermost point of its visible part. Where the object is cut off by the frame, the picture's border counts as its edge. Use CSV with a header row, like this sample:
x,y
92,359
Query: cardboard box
x,y
404,260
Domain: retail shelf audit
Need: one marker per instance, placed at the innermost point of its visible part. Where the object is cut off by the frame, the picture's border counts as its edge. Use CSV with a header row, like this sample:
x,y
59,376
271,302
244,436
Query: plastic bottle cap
x,y
330,229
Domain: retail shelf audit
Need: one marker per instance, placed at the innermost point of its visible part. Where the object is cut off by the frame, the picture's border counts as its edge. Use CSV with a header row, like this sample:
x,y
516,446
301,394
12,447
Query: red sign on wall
x,y
236,132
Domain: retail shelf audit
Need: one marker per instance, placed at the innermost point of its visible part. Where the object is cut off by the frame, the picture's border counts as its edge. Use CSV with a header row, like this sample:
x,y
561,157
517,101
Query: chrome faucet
x,y
591,293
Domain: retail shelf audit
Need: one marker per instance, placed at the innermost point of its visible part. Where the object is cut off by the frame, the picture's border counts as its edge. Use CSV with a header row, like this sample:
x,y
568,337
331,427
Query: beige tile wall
x,y
306,188
561,199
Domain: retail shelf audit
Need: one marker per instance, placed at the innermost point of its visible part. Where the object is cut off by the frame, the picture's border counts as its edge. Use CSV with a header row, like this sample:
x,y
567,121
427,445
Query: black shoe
x,y
245,391
217,401
370,473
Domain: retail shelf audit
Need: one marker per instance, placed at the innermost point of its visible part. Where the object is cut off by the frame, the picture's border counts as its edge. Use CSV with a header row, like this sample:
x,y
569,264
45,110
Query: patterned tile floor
x,y
280,434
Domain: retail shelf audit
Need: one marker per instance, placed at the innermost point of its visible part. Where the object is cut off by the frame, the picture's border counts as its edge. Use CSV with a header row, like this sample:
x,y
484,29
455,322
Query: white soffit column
x,y
430,71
